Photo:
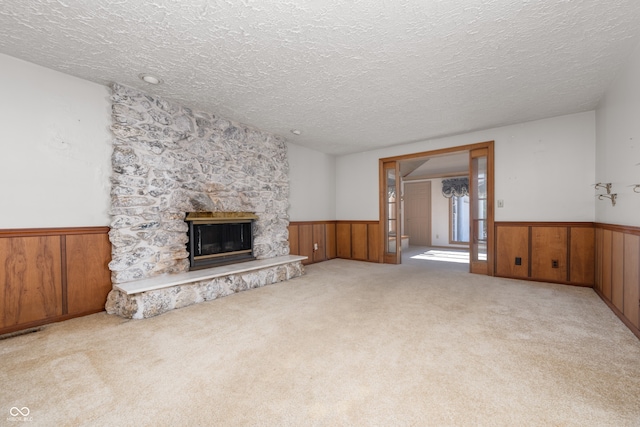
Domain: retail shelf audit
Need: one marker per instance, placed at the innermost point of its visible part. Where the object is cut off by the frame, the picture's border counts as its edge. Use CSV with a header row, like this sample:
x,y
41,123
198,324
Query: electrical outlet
x,y
315,246
518,260
555,263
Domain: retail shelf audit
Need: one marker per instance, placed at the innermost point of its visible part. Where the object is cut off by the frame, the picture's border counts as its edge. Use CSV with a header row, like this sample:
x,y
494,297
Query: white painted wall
x,y
56,154
56,148
544,170
618,146
312,184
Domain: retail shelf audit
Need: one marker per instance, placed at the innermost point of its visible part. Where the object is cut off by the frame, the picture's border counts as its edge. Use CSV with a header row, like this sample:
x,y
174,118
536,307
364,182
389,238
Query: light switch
x,y
501,203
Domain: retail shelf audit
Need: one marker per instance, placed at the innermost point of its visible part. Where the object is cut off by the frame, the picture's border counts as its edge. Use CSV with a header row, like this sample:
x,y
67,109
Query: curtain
x,y
455,187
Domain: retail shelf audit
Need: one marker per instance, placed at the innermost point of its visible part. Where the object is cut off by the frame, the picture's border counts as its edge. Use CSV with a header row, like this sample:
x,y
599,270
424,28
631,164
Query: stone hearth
x,y
150,297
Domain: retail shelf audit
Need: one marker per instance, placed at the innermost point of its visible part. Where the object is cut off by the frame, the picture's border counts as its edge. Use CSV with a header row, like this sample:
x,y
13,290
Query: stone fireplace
x,y
169,160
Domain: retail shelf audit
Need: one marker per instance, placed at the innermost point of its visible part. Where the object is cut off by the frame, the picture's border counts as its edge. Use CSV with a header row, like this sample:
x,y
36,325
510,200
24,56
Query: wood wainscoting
x,y
52,274
357,240
617,271
559,252
314,239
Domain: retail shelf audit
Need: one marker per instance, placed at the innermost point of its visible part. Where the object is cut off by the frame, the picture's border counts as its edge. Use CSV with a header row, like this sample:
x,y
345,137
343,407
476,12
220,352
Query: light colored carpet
x,y
350,343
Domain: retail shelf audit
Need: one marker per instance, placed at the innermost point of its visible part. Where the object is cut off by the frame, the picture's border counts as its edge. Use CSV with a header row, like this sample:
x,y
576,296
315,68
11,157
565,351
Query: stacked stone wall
x,y
168,160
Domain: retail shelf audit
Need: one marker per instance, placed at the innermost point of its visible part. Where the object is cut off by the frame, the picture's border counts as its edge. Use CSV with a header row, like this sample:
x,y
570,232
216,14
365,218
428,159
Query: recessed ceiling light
x,y
150,79
295,132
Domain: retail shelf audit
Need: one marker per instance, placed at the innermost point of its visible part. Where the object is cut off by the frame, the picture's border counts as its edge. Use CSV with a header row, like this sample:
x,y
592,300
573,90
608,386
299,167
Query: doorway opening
x,y
437,206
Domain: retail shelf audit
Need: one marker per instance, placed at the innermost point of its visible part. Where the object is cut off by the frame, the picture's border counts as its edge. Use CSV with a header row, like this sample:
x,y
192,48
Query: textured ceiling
x,y
351,75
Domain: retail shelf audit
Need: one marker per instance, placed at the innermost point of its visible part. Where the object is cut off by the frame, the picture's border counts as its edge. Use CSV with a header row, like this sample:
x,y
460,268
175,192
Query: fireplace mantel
x,y
209,217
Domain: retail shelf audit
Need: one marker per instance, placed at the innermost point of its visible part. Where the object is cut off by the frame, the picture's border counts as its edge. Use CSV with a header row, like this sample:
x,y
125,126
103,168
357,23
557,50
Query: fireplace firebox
x,y
219,238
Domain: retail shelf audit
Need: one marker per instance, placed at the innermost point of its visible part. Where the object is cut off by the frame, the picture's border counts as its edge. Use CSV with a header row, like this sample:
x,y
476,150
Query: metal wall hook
x,y
606,185
611,197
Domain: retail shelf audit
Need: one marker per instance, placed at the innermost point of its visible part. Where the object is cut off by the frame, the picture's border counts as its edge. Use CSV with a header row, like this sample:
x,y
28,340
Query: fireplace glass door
x,y
212,239
219,243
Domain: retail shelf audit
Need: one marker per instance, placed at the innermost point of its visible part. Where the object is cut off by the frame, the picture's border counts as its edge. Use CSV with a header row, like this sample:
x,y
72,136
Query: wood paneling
x,y
305,242
343,240
330,240
631,308
538,244
359,242
582,255
319,254
617,269
599,256
335,239
37,232
373,235
549,246
53,274
88,277
294,247
512,243
606,264
31,279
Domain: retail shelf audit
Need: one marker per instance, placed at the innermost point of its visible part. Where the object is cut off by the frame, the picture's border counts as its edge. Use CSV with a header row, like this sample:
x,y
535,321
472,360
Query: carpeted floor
x,y
436,258
350,343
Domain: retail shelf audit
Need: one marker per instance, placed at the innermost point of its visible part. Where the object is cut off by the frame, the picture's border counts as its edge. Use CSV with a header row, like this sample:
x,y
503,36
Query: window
x,y
459,219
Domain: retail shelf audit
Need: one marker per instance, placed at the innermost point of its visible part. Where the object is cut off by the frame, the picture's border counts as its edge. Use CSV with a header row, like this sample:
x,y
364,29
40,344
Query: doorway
x,y
403,183
416,213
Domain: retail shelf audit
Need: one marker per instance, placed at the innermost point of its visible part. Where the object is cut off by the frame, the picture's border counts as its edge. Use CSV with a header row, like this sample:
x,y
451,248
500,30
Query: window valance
x,y
455,187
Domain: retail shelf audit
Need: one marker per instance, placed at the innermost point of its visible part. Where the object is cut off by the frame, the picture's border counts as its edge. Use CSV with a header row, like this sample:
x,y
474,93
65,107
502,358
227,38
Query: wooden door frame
x,y
489,145
478,266
385,256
